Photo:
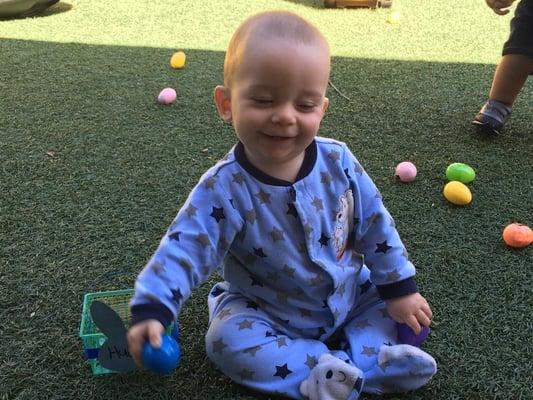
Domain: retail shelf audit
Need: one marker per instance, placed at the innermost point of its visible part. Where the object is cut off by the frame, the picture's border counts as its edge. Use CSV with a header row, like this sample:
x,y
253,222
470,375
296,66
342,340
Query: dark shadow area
x,y
93,170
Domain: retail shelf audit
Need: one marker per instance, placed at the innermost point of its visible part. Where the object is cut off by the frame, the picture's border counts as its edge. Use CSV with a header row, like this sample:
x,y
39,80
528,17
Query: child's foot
x,y
400,368
492,117
332,379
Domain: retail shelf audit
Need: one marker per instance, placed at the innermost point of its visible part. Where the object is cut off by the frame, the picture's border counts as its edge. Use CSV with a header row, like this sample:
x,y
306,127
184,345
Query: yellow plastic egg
x,y
457,193
178,60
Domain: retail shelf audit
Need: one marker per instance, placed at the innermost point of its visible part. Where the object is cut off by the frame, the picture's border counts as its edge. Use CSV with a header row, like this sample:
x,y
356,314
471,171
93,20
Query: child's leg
x,y
509,78
253,350
372,343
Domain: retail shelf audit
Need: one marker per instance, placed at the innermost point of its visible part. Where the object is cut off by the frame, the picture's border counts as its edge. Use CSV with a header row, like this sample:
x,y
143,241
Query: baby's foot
x,y
400,368
332,379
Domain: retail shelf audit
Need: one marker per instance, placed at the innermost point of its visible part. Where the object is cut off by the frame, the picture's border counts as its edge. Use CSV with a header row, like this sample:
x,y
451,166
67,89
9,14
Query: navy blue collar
x,y
305,169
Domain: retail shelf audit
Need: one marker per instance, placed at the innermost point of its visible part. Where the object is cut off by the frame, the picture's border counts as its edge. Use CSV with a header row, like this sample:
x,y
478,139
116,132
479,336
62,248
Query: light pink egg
x,y
167,96
406,171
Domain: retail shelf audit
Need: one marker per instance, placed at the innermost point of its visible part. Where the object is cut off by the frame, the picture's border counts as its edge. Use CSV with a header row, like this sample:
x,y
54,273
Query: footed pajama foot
x,y
400,368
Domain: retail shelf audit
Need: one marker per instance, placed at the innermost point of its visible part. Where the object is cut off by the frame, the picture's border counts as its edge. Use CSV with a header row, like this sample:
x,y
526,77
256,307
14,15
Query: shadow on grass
x,y
93,171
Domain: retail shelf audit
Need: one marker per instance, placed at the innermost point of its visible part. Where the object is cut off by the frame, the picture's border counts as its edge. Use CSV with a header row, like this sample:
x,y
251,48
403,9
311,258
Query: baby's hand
x,y
412,310
499,6
150,329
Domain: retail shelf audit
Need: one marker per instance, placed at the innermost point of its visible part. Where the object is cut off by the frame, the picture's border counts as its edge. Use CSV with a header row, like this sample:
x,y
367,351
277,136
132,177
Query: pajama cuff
x,y
158,311
397,289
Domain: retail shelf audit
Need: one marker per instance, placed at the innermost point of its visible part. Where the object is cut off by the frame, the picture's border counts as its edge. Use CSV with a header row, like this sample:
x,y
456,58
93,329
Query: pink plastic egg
x,y
167,96
406,171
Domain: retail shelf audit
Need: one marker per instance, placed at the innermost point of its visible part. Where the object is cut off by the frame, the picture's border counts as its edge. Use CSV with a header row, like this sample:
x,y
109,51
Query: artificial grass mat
x,y
93,171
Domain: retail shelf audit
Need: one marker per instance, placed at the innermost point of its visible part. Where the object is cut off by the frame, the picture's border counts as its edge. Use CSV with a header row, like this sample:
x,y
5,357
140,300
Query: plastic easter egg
x,y
517,235
164,359
460,172
457,193
406,171
394,17
178,60
167,96
407,336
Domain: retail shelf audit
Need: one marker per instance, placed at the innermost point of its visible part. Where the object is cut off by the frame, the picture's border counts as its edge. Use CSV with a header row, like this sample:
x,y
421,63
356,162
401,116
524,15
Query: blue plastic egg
x,y
164,359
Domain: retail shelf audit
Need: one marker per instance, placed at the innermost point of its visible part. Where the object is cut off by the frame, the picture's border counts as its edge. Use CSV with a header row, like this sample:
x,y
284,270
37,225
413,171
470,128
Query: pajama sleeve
x,y
192,248
376,238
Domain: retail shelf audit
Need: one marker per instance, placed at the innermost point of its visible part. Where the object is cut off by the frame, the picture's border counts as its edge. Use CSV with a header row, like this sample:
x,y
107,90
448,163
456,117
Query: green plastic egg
x,y
460,172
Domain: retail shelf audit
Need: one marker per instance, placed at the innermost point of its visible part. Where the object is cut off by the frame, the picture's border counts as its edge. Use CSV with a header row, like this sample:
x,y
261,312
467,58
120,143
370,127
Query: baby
x,y
315,274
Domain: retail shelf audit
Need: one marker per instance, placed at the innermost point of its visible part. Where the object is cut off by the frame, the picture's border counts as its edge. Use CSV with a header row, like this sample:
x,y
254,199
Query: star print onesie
x,y
306,268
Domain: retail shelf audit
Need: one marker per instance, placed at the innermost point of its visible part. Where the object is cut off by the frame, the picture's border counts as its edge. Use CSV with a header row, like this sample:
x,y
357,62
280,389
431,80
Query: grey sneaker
x,y
492,117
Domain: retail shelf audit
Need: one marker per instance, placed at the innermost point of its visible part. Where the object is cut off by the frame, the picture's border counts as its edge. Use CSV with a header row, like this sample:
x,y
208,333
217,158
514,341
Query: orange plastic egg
x,y
517,235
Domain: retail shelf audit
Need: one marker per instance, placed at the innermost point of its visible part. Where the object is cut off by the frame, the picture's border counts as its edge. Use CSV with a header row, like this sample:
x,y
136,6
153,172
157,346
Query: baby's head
x,y
276,73
276,27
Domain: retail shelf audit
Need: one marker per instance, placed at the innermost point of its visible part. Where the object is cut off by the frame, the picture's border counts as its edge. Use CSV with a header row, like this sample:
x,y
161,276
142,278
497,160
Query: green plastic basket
x,y
90,335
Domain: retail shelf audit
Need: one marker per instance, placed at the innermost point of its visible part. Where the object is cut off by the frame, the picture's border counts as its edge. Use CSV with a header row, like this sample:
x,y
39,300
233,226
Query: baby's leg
x,y
372,343
256,352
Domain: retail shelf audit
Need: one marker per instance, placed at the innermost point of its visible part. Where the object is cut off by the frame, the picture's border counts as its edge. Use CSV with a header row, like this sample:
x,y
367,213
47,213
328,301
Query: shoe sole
x,y
486,128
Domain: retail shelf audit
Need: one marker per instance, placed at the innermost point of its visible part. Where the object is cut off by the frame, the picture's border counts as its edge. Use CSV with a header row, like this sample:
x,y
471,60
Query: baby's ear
x,y
223,102
325,105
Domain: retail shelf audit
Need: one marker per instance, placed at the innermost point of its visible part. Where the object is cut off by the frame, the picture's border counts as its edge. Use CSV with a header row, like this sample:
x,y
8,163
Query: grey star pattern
x,y
224,313
317,280
250,216
361,324
263,196
157,267
336,314
218,346
341,289
186,264
308,229
334,155
372,218
378,195
238,178
393,276
203,239
253,350
223,243
311,361
210,182
245,324
325,178
358,168
246,374
282,342
191,210
288,271
277,234
317,203
369,351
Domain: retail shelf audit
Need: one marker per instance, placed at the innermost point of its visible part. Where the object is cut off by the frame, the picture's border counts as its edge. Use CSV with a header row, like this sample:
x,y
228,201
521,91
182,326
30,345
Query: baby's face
x,y
278,99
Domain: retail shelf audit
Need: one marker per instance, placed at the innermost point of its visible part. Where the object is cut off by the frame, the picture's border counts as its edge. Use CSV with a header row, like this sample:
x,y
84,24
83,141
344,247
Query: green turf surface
x,y
92,171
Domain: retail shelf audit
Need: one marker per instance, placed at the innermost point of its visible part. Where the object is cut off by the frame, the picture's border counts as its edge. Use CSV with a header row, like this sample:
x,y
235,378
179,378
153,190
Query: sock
x,y
332,379
400,368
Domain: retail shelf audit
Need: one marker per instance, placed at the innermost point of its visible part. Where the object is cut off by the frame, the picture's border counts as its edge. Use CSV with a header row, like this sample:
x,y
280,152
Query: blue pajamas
x,y
294,258
261,352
